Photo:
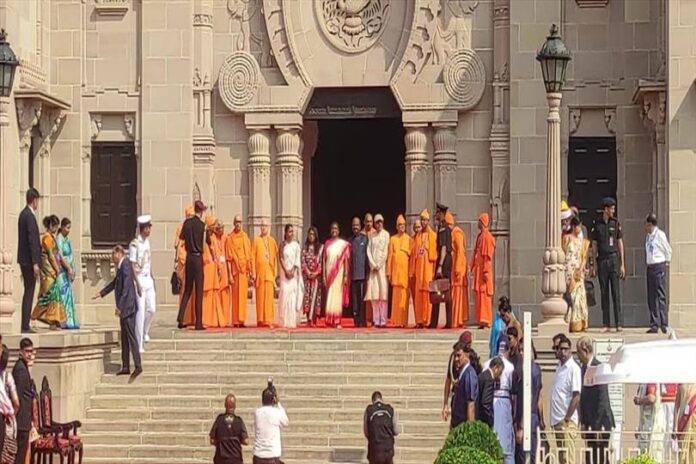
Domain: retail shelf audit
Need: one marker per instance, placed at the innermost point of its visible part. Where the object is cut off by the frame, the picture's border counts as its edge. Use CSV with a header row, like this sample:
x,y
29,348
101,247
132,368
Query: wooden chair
x,y
50,441
68,430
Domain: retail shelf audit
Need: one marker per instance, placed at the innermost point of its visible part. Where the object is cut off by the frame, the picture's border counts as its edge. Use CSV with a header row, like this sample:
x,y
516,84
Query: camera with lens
x,y
270,394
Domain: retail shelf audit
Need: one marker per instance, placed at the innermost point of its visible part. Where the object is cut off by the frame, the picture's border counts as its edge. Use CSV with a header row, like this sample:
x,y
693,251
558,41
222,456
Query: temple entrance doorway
x,y
358,163
358,167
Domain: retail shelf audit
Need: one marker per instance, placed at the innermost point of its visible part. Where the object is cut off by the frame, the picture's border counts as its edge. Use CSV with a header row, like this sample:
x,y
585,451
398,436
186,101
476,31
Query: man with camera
x,y
380,427
268,420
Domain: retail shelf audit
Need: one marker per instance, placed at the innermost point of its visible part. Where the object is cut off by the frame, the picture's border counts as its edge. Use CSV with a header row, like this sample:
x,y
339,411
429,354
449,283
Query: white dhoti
x,y
502,424
146,309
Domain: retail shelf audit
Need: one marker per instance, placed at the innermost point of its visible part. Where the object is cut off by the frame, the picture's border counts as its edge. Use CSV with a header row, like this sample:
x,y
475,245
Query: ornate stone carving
x,y
239,79
200,80
592,3
96,265
202,19
465,77
95,120
31,76
111,7
610,120
48,126
416,140
575,114
246,11
129,124
28,116
453,29
352,26
501,204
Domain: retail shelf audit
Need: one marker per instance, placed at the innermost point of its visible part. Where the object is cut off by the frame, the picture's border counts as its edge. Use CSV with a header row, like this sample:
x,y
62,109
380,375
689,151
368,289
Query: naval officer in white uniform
x,y
502,404
140,256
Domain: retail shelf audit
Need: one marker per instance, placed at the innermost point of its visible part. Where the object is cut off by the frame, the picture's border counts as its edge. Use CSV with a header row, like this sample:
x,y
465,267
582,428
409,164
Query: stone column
x,y
418,175
661,159
445,165
259,170
28,116
289,179
203,136
7,306
553,283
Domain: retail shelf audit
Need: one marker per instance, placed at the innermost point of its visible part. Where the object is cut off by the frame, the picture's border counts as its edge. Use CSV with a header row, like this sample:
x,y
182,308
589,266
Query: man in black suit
x,y
22,379
443,268
127,306
29,254
596,416
486,382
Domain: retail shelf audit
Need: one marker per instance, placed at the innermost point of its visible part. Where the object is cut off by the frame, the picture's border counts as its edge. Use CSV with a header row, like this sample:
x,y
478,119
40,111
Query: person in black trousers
x,y
486,383
443,265
358,273
124,289
22,379
596,416
380,426
29,254
193,234
608,249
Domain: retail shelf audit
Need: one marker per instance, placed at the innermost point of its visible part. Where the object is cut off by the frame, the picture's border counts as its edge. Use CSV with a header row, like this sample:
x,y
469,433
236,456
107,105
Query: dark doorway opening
x,y
592,175
358,167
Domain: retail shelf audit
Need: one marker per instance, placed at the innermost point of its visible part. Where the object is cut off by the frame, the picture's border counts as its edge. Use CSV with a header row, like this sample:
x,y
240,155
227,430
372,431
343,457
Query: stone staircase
x,y
324,379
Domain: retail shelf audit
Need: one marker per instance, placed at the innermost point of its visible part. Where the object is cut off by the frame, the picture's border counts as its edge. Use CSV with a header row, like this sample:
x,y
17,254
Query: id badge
x,y
421,251
611,241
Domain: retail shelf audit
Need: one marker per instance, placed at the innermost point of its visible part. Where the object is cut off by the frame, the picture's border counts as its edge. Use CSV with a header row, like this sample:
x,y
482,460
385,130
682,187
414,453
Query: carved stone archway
x,y
426,58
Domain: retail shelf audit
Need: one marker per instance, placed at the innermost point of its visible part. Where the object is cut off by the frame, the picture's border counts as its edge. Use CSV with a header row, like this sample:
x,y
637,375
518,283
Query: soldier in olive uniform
x,y
608,261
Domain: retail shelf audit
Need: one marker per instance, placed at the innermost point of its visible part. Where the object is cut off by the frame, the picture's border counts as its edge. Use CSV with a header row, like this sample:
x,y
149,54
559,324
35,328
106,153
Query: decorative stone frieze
x,y
111,7
96,265
352,26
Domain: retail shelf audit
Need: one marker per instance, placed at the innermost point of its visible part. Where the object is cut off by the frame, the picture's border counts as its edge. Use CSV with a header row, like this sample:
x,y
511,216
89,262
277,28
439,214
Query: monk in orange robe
x,y
482,268
459,279
398,262
238,253
424,268
264,268
180,266
225,291
213,315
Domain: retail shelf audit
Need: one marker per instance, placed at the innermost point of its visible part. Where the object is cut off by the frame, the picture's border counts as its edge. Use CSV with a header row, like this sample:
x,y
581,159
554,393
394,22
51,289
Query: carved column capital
x,y
288,146
444,144
259,148
416,140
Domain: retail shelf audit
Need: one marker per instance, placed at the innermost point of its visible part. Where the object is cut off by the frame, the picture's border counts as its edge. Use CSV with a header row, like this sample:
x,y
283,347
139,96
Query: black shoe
x,y
180,326
137,372
652,331
200,328
123,372
29,331
663,329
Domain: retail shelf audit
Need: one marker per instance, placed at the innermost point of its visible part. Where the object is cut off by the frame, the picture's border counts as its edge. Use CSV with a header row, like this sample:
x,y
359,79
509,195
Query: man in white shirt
x,y
565,397
658,254
268,420
140,258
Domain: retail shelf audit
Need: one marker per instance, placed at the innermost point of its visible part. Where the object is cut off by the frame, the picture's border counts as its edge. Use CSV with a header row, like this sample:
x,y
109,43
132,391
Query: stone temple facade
x,y
305,111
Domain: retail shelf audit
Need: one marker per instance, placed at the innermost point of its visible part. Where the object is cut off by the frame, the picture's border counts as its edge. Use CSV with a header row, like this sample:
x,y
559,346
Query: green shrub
x,y
640,459
463,455
475,435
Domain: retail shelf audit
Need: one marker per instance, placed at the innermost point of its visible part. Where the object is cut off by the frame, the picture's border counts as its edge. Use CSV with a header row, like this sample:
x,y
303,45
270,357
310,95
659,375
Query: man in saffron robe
x,y
398,264
180,259
482,268
225,291
212,309
459,279
336,269
238,253
264,268
424,268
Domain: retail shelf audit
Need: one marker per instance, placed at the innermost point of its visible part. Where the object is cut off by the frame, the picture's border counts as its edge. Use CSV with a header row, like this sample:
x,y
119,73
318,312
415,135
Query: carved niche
x,y
352,26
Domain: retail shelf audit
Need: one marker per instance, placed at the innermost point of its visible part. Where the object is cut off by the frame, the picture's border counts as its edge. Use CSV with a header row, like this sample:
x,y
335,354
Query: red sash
x,y
333,272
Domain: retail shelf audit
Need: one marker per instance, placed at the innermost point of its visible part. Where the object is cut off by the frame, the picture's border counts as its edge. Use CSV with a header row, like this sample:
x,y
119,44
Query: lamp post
x,y
8,66
553,58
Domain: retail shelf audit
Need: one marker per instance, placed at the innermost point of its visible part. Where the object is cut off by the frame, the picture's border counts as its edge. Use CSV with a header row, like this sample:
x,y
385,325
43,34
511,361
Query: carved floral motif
x,y
352,26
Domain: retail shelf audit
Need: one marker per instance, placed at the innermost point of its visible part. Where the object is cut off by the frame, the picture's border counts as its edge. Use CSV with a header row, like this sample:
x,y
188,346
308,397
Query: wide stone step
x,y
167,453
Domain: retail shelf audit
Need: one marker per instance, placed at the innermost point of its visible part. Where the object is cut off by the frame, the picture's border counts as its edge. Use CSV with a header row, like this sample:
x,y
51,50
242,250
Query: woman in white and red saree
x,y
336,261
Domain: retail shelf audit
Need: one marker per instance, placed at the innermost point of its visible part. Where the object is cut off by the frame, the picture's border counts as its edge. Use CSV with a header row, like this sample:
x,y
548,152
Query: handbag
x,y
590,293
439,290
176,283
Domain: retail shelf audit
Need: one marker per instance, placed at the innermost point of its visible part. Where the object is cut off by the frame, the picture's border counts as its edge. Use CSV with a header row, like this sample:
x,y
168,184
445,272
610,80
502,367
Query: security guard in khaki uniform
x,y
608,261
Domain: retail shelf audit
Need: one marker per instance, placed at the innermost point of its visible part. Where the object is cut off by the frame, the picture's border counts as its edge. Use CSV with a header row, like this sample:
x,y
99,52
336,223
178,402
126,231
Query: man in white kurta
x,y
377,292
502,404
141,259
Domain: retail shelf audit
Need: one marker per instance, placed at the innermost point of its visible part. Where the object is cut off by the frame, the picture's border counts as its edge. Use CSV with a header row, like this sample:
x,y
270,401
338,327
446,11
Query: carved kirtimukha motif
x,y
352,26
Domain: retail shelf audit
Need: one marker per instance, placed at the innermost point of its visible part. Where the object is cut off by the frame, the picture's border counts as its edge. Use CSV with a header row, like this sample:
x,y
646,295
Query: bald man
x,y
264,269
238,254
228,435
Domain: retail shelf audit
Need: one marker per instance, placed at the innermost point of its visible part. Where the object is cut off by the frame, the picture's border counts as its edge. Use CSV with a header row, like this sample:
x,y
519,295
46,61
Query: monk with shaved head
x,y
264,268
228,435
238,254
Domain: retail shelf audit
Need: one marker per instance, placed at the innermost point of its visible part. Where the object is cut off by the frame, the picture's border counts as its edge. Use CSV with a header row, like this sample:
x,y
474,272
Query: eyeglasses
x,y
554,347
563,348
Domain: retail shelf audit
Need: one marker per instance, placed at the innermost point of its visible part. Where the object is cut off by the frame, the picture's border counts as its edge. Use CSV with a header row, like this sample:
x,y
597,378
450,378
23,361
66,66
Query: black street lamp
x,y
553,57
8,65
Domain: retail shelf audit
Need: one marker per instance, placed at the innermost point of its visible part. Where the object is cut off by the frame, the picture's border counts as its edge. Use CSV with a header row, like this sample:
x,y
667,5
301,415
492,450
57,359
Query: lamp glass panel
x,y
5,71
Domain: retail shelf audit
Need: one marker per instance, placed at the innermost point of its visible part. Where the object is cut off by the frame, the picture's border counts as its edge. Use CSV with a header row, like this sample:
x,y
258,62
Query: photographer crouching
x,y
268,420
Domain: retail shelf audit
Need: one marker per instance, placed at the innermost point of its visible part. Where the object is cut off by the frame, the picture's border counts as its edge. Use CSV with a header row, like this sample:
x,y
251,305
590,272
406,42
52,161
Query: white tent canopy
x,y
664,361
